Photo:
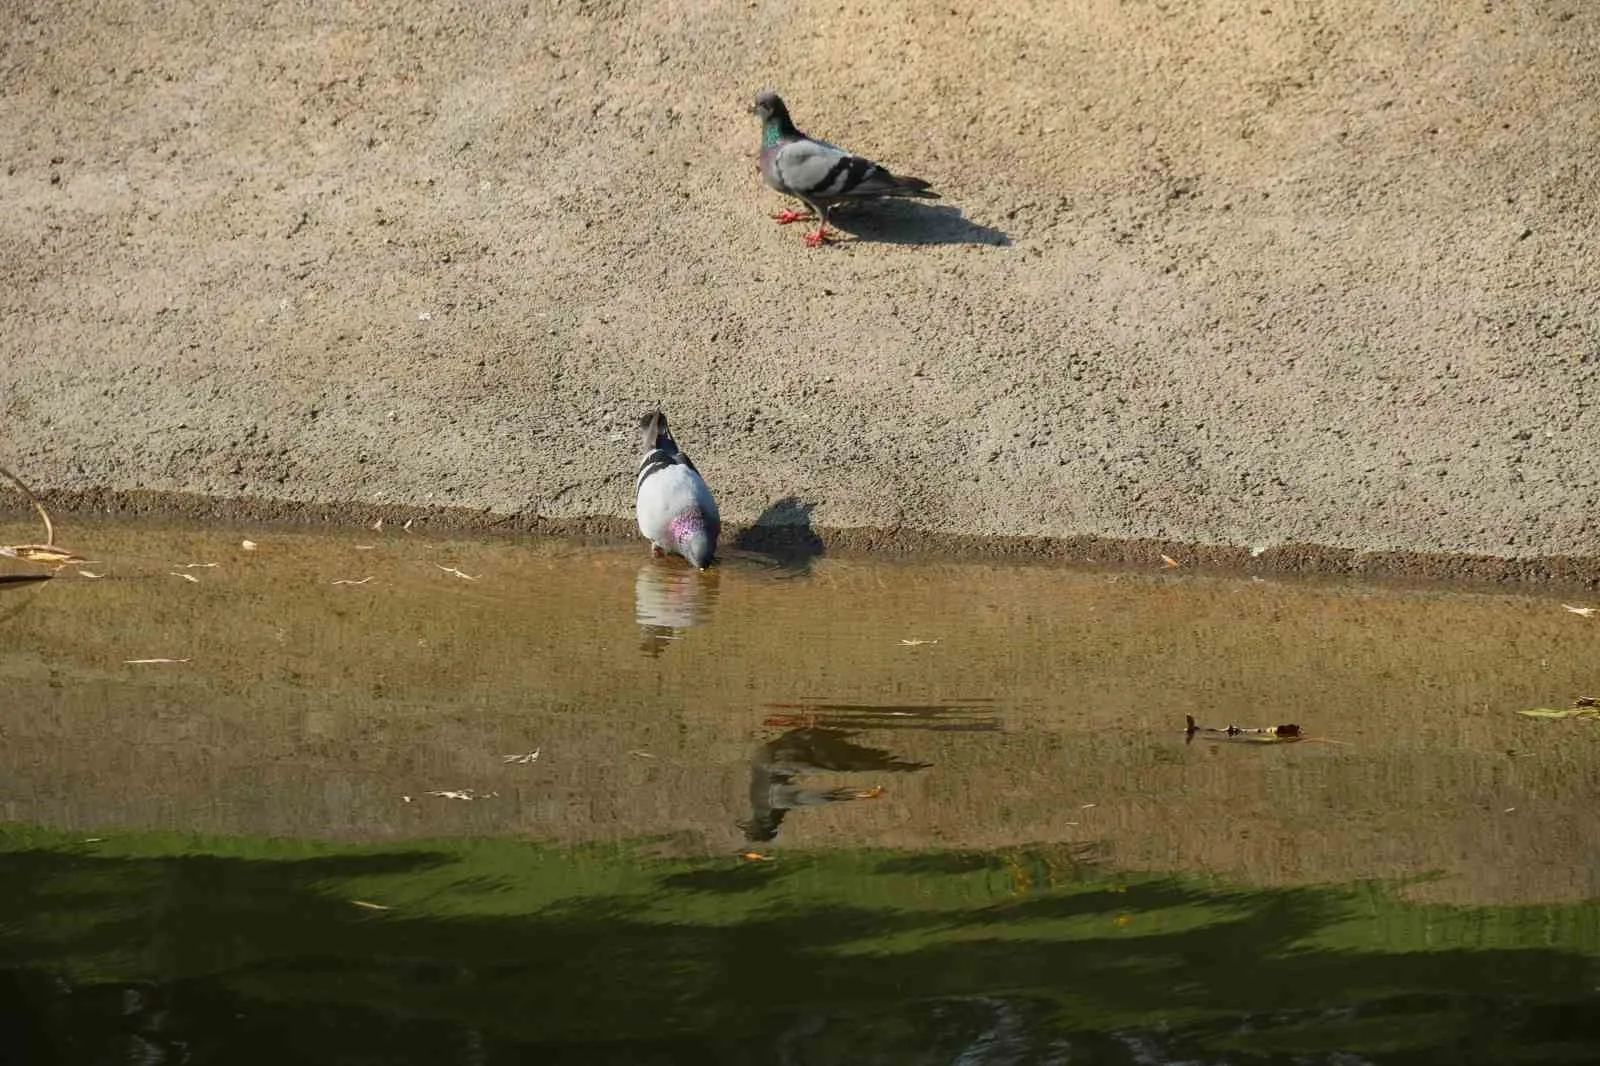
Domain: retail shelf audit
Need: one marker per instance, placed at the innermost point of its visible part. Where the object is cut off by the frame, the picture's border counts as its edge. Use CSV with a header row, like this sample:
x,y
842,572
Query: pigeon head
x,y
693,539
773,114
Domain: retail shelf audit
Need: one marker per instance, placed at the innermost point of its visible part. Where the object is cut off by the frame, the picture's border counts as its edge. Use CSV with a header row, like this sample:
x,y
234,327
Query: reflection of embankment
x,y
172,947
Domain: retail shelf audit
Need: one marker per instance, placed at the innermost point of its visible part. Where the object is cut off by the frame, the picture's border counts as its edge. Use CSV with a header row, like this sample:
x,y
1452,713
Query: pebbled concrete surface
x,y
1227,274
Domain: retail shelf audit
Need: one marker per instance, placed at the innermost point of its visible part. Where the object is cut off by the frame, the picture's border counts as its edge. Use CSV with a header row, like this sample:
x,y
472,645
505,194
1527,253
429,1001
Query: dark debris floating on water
x,y
1272,734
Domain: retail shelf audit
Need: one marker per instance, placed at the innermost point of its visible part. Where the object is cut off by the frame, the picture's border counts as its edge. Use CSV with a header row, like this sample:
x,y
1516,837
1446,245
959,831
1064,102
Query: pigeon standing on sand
x,y
817,173
674,507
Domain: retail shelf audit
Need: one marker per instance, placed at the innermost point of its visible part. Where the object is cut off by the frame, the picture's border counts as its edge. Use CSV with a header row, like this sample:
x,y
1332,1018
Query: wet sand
x,y
789,530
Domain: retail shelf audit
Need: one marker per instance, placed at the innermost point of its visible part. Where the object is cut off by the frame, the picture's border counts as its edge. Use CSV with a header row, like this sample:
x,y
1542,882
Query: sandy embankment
x,y
1227,274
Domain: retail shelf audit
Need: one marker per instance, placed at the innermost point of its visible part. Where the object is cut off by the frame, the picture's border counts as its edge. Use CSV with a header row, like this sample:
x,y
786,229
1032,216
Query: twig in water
x,y
37,553
44,516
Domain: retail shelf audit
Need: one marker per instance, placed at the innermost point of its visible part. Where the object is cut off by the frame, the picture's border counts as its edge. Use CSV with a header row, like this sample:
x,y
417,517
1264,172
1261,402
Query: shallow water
x,y
794,809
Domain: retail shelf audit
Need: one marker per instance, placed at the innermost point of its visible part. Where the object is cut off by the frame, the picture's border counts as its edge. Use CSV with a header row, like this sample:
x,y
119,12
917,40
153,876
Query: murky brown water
x,y
331,683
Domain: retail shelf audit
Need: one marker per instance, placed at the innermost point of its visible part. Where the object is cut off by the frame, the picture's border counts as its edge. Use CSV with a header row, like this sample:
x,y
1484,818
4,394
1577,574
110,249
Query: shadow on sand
x,y
782,535
913,222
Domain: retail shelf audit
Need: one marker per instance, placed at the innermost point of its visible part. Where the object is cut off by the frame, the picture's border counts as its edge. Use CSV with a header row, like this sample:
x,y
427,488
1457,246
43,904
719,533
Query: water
x,y
805,810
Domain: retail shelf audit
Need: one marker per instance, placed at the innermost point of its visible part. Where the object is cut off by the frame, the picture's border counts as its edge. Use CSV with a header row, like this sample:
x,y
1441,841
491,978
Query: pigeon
x,y
817,173
674,507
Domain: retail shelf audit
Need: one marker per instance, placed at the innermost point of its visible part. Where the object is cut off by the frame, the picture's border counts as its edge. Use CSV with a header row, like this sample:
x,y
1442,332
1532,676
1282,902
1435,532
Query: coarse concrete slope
x,y
1219,272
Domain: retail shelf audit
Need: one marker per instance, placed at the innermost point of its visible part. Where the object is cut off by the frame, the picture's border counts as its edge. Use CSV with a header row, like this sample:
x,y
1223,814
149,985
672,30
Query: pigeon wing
x,y
817,170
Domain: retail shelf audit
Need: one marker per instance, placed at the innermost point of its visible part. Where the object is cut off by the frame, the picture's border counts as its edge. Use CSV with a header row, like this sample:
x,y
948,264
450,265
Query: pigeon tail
x,y
916,187
653,434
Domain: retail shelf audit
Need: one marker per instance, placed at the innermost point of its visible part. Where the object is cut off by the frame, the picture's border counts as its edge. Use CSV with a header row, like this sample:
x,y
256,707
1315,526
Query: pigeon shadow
x,y
783,535
913,222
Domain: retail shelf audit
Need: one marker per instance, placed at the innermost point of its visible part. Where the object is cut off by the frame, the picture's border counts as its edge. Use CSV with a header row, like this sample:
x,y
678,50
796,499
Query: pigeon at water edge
x,y
673,504
817,173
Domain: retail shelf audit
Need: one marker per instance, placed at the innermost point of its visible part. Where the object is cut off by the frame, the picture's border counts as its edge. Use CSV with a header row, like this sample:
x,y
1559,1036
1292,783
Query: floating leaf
x,y
1561,712
368,905
41,553
1584,611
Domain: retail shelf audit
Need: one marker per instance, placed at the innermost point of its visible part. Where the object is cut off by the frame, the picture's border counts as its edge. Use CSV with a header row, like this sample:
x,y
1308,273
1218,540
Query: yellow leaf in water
x,y
369,905
1561,712
1584,611
41,553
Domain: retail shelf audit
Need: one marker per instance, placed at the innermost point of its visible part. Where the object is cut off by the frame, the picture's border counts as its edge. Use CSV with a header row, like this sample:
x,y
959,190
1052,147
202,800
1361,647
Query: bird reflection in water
x,y
821,740
668,598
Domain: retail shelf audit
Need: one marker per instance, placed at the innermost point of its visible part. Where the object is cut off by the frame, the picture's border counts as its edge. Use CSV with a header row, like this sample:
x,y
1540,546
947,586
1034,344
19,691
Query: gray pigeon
x,y
673,504
817,173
